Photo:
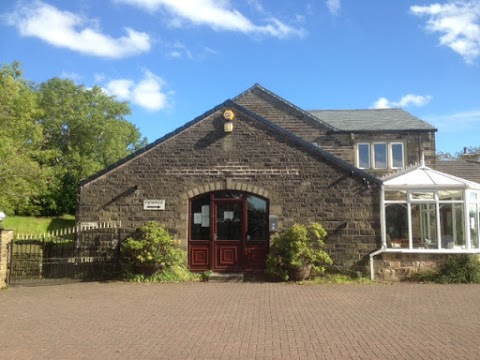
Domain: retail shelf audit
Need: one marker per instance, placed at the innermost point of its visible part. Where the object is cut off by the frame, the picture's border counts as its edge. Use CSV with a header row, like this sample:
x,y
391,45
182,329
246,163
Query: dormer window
x,y
380,155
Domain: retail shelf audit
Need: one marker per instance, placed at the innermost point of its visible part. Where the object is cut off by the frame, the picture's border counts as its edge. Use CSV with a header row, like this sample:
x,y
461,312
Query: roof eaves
x,y
383,131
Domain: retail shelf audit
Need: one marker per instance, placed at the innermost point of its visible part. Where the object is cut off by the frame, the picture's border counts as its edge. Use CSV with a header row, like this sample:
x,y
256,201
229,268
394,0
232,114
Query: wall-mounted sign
x,y
153,204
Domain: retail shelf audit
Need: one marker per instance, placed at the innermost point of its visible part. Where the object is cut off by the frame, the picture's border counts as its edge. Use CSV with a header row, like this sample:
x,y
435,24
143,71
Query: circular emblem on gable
x,y
228,115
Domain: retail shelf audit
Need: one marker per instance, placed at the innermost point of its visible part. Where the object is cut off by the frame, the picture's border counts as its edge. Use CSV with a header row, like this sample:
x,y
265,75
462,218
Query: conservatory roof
x,y
424,177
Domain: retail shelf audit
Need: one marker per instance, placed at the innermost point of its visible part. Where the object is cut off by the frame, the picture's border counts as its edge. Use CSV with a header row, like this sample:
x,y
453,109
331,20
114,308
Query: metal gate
x,y
78,255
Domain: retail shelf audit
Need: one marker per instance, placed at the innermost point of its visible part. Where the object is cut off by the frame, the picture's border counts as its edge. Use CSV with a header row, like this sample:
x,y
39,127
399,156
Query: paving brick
x,y
240,321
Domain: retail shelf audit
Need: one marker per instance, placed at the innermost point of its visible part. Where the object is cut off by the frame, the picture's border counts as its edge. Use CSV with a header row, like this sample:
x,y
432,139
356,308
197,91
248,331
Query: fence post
x,y
6,237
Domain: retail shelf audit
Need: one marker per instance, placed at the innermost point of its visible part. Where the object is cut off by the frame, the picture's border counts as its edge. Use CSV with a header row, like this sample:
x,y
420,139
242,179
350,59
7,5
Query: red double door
x,y
228,232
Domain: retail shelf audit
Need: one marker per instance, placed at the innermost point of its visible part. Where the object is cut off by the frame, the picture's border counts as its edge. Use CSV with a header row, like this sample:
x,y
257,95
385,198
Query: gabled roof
x,y
354,171
469,170
294,107
424,177
371,120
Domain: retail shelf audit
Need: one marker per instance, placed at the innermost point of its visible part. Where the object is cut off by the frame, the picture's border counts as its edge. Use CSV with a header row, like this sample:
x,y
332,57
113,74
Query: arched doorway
x,y
228,232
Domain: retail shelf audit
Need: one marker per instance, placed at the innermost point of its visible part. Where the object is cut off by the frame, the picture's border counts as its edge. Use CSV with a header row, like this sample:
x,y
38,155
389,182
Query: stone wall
x,y
6,237
299,183
401,266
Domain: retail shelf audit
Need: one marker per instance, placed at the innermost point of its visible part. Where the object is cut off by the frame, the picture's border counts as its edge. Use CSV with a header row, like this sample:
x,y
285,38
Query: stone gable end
x,y
300,185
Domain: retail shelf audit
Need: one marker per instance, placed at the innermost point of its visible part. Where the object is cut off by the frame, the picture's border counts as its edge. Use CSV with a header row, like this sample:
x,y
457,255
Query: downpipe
x,y
372,271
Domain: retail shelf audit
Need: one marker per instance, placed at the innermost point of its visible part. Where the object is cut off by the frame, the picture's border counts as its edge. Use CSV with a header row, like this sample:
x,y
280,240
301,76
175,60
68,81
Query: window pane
x,y
472,196
200,221
364,156
424,226
423,195
398,195
397,225
451,225
397,156
450,195
380,151
473,214
257,227
229,221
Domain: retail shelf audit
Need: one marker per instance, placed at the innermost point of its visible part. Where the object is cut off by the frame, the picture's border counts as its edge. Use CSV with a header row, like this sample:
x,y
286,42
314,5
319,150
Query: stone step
x,y
226,277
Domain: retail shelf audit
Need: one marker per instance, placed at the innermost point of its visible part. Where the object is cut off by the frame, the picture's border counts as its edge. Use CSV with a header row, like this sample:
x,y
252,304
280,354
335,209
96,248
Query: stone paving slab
x,y
240,321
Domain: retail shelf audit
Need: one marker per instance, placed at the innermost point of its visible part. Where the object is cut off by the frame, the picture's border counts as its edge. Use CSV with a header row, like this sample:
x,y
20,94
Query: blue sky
x,y
173,60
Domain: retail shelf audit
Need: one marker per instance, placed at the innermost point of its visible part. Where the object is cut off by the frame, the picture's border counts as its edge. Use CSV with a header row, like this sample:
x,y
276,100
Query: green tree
x,y
21,172
87,130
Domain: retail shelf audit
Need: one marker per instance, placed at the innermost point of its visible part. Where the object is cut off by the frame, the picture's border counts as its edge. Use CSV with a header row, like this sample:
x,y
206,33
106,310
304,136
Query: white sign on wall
x,y
153,204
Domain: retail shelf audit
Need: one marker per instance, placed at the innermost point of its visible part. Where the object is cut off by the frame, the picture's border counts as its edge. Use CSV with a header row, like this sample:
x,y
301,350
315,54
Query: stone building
x,y
226,181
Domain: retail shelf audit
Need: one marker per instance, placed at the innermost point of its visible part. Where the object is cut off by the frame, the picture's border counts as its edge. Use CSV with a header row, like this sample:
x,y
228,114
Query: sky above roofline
x,y
174,60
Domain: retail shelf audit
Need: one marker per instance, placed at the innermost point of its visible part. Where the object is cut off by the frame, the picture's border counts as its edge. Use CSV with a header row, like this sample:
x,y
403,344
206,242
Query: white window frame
x,y
369,155
373,153
391,155
388,155
461,203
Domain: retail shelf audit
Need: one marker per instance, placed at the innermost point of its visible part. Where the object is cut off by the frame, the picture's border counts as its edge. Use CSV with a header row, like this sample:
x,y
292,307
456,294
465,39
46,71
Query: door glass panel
x,y
200,218
229,224
257,219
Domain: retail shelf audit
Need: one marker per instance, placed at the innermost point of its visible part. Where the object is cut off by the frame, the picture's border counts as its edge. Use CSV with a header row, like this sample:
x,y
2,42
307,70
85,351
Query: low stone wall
x,y
401,266
6,237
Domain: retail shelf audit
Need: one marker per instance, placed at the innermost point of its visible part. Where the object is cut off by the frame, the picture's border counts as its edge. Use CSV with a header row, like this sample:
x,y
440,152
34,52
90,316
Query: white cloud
x,y
333,6
71,75
405,101
458,23
147,93
68,30
179,51
120,88
217,14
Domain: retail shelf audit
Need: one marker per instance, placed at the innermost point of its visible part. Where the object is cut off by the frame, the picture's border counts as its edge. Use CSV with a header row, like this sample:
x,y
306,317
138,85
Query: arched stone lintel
x,y
182,222
228,184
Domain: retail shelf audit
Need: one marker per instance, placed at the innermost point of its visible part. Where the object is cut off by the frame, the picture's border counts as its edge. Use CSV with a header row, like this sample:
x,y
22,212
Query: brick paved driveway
x,y
240,321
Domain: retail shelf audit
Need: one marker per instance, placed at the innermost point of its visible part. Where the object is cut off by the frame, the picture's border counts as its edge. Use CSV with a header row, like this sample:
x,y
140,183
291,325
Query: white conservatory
x,y
426,211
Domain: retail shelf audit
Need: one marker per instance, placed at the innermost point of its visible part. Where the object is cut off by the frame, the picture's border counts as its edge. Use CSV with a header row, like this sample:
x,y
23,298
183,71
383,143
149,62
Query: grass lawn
x,y
37,225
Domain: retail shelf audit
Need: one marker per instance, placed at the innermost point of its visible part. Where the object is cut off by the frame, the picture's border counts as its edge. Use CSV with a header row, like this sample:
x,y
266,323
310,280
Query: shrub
x,y
297,250
459,269
154,250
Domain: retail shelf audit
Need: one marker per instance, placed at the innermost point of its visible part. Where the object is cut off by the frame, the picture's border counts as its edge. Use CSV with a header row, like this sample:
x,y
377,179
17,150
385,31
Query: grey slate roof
x,y
469,170
371,120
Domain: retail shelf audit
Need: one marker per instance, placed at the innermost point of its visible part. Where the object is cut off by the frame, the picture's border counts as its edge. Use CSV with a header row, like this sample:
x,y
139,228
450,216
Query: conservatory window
x,y
474,217
424,226
397,225
427,219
